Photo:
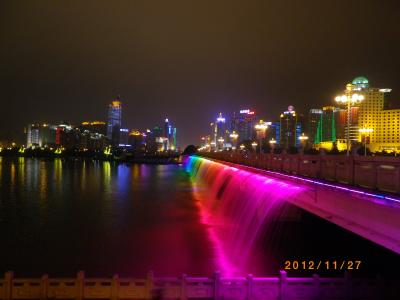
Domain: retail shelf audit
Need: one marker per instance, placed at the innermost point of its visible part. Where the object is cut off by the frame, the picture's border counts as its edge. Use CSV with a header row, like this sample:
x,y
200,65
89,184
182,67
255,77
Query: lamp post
x,y
221,141
272,142
349,99
261,127
241,147
303,140
364,133
254,145
234,136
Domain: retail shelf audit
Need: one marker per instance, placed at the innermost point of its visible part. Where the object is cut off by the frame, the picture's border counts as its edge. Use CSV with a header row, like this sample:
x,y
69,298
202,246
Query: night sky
x,y
188,60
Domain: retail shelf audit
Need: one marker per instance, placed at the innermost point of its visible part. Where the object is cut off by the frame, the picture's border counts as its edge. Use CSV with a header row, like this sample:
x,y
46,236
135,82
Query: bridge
x,y
356,193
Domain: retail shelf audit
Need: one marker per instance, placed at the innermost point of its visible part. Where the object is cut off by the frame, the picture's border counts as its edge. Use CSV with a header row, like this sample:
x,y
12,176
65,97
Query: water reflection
x,y
61,216
42,181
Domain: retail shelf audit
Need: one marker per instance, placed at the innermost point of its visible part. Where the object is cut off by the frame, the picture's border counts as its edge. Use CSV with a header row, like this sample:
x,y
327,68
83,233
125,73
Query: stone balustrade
x,y
372,172
185,287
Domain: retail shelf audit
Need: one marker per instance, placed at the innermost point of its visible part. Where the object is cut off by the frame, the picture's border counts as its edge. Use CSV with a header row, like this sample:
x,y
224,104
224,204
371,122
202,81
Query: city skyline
x,y
188,61
361,114
100,136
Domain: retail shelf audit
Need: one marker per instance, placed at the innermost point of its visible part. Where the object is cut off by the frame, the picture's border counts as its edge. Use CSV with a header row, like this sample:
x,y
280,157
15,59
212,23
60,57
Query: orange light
x,y
116,103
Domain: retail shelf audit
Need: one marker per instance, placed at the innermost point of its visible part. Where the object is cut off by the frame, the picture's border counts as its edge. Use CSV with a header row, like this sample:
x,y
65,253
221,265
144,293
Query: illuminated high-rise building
x,y
123,138
32,135
41,135
220,132
243,124
137,140
94,127
290,128
114,120
314,119
274,132
326,126
169,135
47,135
374,113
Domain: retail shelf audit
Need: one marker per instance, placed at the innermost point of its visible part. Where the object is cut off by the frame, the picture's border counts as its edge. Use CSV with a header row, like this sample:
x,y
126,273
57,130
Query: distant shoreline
x,y
126,158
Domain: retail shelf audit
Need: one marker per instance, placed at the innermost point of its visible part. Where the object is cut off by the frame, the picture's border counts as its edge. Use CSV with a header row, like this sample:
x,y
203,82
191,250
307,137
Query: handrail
x,y
374,173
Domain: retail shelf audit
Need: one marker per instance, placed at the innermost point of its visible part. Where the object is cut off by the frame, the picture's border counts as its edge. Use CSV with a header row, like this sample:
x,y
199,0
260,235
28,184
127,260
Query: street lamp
x,y
272,142
303,140
349,100
261,127
221,141
254,145
241,147
234,137
364,133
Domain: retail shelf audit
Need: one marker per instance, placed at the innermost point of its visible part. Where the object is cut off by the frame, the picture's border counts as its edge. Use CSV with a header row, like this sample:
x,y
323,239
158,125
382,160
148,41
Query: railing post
x,y
348,285
115,287
45,286
299,163
8,278
283,284
80,285
184,295
217,279
318,173
351,171
375,166
150,284
316,284
249,287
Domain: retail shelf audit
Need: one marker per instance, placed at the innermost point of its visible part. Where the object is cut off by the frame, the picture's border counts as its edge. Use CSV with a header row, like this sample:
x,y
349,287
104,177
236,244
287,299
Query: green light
x,y
360,81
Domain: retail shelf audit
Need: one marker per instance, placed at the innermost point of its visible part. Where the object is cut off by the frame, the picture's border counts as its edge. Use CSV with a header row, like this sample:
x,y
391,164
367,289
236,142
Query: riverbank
x,y
117,155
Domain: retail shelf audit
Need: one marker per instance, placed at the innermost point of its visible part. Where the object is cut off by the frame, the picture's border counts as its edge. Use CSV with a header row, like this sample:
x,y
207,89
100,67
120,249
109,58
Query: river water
x,y
59,217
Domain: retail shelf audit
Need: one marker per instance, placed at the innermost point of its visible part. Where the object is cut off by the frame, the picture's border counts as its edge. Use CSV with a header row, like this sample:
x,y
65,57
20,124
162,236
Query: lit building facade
x,y
220,132
123,138
169,135
114,121
290,128
374,113
326,126
32,135
40,135
243,124
314,117
94,127
137,140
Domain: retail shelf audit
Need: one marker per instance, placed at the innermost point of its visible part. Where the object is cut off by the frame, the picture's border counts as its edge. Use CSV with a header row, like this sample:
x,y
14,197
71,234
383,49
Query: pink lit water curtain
x,y
236,206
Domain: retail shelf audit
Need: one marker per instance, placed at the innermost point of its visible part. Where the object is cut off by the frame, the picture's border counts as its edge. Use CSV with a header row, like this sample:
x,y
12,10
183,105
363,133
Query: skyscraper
x,y
220,133
169,135
314,119
290,128
243,124
326,127
114,120
372,113
32,135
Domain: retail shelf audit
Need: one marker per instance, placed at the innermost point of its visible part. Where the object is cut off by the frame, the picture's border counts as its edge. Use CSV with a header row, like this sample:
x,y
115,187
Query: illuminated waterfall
x,y
236,205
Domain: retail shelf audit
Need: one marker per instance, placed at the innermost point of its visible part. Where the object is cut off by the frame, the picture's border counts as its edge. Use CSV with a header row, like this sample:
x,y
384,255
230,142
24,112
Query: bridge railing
x,y
184,287
373,172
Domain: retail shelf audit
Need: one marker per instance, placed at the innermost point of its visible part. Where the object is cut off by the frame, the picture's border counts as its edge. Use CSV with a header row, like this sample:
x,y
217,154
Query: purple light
x,y
236,206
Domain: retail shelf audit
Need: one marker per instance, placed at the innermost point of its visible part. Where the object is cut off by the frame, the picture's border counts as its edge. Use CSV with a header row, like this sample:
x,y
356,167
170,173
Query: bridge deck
x,y
374,216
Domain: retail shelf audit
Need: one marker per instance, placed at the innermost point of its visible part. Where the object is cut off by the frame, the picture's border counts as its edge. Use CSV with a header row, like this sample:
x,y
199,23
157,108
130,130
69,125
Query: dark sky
x,y
188,60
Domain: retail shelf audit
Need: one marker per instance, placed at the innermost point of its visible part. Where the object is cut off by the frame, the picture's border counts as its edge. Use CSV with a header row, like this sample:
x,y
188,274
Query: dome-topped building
x,y
361,82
